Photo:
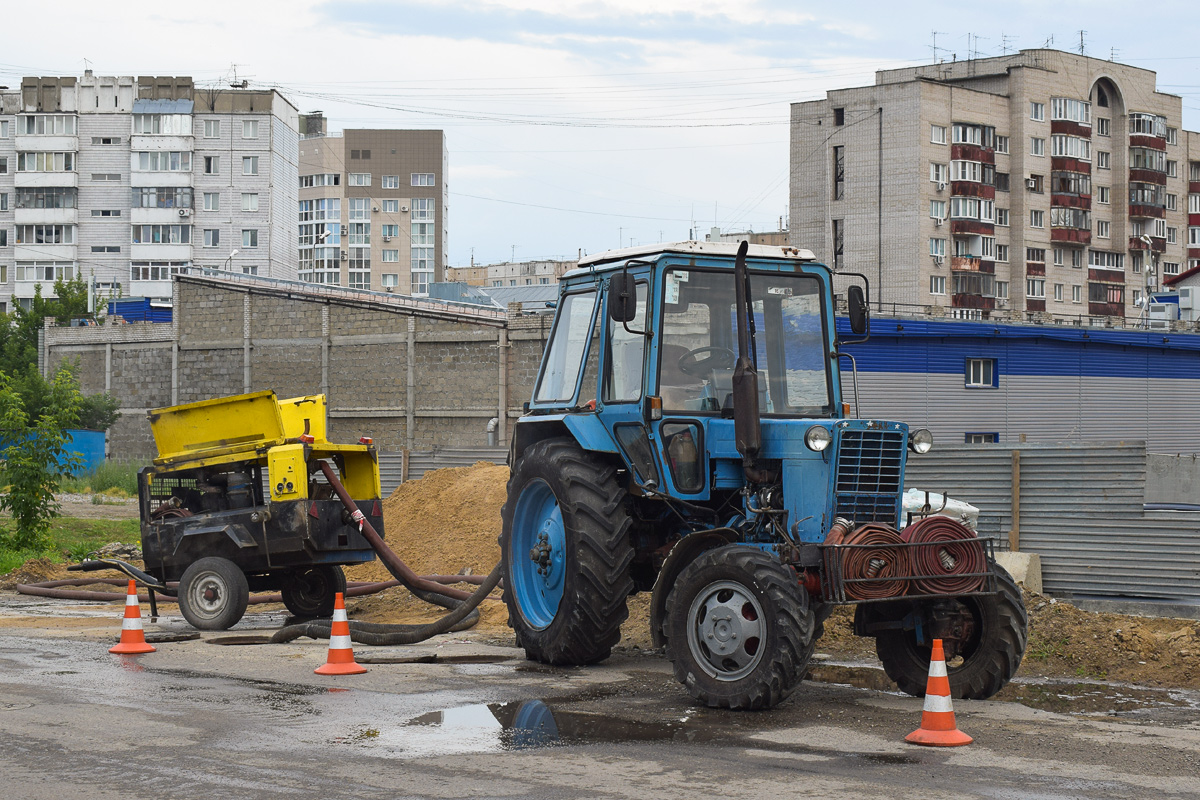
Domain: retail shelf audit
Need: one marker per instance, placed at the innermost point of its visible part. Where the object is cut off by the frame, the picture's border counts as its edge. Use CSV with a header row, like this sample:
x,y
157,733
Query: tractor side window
x,y
591,365
627,356
804,352
568,346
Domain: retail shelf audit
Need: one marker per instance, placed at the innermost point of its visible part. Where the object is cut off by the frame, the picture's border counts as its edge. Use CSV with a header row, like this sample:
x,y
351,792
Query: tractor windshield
x,y
699,343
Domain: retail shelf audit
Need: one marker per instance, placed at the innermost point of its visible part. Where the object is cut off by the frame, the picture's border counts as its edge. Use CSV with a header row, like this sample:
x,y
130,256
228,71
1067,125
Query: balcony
x,y
1106,309
1070,236
967,227
1139,211
45,180
973,301
1157,243
968,263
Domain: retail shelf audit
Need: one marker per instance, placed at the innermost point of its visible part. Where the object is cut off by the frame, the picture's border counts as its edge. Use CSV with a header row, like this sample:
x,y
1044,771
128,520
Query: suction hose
x,y
464,605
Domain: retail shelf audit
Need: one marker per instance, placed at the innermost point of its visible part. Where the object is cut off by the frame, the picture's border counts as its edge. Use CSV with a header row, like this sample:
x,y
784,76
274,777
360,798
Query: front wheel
x,y
981,660
311,591
213,594
740,630
566,552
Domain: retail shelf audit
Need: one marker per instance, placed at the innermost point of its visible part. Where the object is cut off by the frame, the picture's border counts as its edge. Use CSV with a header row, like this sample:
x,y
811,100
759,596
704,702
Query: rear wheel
x,y
311,591
740,630
213,594
981,659
566,553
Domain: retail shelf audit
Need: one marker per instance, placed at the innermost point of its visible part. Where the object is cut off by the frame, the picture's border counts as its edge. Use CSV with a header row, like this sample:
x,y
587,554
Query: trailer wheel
x,y
213,594
988,656
740,630
566,552
311,591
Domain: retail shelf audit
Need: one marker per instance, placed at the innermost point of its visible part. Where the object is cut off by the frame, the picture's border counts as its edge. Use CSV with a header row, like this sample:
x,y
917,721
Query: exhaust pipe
x,y
747,427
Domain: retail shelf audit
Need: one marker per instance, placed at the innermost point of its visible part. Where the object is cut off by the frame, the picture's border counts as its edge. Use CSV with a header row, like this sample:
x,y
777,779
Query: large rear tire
x,y
739,629
566,551
988,657
311,591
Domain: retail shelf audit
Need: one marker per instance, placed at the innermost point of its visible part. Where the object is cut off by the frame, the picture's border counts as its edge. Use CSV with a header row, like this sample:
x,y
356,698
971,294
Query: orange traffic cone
x,y
133,639
938,728
341,652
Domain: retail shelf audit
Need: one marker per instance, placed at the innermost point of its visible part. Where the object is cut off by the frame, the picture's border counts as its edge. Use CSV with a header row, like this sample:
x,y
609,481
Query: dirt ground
x,y
448,523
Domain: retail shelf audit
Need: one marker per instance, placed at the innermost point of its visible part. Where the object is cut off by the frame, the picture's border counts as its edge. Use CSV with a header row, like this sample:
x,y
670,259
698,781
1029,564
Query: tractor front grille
x,y
870,467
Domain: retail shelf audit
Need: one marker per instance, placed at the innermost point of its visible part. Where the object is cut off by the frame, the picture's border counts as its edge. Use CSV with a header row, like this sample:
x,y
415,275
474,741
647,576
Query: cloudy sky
x,y
583,124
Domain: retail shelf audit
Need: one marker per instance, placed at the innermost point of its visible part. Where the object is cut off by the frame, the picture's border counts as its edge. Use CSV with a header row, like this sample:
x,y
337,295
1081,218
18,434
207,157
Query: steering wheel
x,y
690,362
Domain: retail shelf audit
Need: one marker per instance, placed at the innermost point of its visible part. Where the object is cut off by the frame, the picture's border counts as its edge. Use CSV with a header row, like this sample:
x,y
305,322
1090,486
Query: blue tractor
x,y
687,437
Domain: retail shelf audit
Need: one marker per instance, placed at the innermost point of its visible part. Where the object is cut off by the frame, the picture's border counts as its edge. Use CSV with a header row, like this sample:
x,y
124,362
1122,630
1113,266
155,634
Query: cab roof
x,y
728,249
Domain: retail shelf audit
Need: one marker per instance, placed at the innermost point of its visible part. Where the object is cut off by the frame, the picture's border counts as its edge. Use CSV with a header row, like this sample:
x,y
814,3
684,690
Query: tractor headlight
x,y
920,441
817,438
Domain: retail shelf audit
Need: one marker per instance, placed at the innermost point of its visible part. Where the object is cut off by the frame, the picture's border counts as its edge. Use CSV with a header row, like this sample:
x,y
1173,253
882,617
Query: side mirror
x,y
859,312
622,297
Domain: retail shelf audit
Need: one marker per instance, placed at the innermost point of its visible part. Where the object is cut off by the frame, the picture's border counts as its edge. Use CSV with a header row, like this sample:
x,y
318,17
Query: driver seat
x,y
675,386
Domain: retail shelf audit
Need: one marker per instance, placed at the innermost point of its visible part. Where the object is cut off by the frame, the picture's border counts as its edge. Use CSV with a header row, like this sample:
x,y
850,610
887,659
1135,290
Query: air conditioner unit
x,y
345,230
1030,183
1185,297
937,222
375,209
941,187
404,208
344,255
387,238
183,212
939,260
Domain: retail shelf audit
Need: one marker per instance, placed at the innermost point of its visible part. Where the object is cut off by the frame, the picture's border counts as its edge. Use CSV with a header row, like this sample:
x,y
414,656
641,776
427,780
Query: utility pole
x,y
1081,35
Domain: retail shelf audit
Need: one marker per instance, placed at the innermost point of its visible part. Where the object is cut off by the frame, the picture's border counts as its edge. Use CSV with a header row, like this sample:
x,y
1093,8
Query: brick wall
x,y
357,352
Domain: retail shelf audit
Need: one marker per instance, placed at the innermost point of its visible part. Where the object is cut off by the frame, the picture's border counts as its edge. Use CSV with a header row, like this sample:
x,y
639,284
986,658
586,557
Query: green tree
x,y
36,456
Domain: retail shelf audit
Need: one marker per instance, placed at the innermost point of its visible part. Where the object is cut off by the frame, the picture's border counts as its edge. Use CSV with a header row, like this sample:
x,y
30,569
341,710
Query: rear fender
x,y
586,429
683,553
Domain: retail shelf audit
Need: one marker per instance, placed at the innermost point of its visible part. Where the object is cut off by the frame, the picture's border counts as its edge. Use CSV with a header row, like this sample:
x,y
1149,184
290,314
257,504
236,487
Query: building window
x,y
1037,112
101,248
937,209
1170,267
1036,255
162,161
45,234
1002,144
48,124
106,140
1147,158
1103,229
162,234
1058,256
250,237
937,134
1194,236
103,177
3,135
163,124
1148,124
212,237
1035,288
360,234
1172,136
359,179
1002,217
1002,252
212,128
839,241
1111,293
1103,259
981,373
212,165
389,280
1001,290
389,182
157,270
4,201
1037,219
1172,201
966,171
390,256
51,197
1076,294
250,130
389,231
105,212
212,201
937,284
1076,258
839,173
1037,146
249,165
391,206
1172,169
937,247
1103,160
326,179
422,209
1001,181
1172,235
1070,147
45,162
1058,292
839,118
422,179
1073,110
981,438
1103,195
360,208
1102,126
47,271
161,197
249,201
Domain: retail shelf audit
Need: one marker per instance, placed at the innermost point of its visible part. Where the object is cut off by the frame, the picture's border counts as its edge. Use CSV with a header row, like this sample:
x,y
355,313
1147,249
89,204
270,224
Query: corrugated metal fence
x,y
1080,509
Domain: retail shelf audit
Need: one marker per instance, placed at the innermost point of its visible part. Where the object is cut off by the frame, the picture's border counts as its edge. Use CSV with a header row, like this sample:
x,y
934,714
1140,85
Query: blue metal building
x,y
987,382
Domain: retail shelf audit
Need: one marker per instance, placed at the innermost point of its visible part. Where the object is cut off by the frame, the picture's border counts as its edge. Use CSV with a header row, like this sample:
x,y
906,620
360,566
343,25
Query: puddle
x,y
1093,698
239,640
858,677
432,658
521,725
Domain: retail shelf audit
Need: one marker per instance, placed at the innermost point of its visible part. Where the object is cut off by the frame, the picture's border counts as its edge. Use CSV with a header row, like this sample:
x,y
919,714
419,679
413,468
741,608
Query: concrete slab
x,y
1026,569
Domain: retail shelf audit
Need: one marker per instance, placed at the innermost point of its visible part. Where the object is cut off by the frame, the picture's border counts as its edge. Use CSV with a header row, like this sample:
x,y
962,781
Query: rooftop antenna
x,y
234,83
1004,45
1049,42
1081,47
87,65
1112,54
934,47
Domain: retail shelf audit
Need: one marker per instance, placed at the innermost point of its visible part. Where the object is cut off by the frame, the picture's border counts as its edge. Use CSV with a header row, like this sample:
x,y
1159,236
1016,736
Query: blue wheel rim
x,y
537,580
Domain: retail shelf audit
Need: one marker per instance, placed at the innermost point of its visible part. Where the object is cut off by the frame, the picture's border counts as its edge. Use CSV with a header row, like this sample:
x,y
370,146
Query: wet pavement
x,y
457,718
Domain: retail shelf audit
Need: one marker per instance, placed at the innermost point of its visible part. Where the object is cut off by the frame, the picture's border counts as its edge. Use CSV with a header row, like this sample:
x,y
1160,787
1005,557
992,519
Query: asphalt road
x,y
200,720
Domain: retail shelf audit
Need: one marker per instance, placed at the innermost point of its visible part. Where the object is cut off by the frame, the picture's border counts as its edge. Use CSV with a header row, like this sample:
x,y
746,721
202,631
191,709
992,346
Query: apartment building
x,y
1043,186
127,181
372,208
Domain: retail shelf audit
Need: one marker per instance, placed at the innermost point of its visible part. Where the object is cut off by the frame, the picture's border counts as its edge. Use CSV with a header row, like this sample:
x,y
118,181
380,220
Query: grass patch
x,y
114,478
71,539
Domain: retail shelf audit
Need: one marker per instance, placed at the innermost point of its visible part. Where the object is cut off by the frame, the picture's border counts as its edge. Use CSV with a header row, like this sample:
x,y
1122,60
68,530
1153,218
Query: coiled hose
x,y
873,568
464,613
948,559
